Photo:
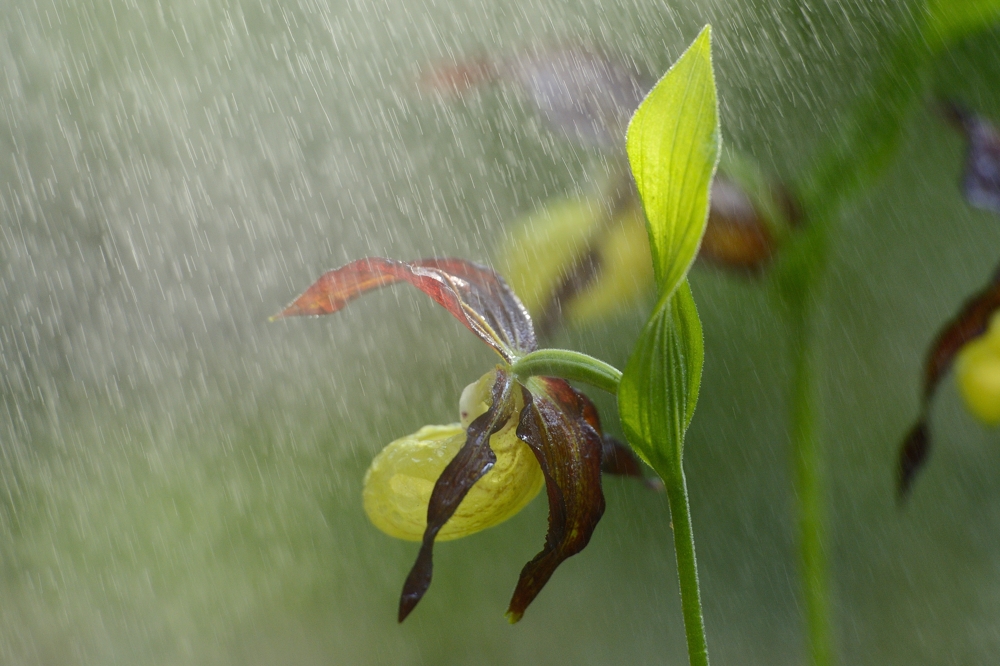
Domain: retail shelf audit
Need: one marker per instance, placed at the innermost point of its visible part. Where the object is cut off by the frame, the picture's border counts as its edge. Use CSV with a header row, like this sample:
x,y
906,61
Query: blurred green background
x,y
180,480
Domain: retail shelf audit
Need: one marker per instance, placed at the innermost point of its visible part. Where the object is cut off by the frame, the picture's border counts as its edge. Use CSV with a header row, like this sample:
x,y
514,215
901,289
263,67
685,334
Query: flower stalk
x,y
807,453
568,364
687,567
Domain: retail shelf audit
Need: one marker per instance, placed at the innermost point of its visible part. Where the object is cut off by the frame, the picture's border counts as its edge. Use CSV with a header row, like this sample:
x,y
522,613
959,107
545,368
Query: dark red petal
x,y
491,298
618,459
473,294
912,456
970,323
568,449
468,466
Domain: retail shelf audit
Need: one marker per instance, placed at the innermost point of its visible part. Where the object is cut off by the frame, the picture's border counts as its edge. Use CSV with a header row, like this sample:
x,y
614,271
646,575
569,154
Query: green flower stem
x,y
808,466
800,282
568,365
687,566
580,367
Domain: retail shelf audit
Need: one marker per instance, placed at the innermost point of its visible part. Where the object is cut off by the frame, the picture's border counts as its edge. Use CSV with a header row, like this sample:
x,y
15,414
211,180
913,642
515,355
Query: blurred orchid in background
x,y
585,95
978,373
971,340
580,257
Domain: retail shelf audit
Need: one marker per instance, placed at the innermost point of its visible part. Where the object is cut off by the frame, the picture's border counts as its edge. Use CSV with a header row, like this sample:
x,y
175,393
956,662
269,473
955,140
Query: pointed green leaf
x,y
673,147
659,388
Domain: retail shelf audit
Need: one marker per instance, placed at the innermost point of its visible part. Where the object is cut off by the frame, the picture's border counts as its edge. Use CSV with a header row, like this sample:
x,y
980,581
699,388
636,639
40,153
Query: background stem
x,y
687,568
808,469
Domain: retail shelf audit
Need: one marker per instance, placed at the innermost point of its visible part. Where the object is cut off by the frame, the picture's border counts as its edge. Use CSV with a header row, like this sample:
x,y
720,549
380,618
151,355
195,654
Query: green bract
x,y
673,148
659,388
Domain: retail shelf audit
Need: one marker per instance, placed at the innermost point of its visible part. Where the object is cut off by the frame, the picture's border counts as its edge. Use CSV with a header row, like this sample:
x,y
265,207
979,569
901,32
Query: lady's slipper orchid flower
x,y
400,480
515,434
973,338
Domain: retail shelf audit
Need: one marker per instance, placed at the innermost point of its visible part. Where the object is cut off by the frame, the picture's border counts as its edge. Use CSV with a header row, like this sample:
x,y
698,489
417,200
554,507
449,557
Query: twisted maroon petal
x,y
473,294
468,466
558,423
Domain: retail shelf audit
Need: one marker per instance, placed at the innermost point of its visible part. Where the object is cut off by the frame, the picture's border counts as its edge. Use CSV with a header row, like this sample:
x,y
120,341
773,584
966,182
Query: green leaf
x,y
659,388
673,147
953,19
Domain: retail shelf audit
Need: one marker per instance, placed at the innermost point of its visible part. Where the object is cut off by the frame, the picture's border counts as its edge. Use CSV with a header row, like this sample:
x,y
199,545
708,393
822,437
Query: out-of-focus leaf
x,y
558,424
981,179
951,19
867,137
473,460
970,323
673,148
473,294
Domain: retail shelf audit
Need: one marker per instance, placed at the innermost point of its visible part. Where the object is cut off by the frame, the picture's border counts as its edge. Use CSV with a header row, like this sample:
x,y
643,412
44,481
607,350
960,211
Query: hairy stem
x,y
687,566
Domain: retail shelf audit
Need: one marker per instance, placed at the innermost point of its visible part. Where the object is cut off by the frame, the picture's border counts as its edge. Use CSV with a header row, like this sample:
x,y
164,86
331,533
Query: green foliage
x,y
673,148
867,140
950,19
659,391
869,136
